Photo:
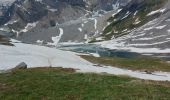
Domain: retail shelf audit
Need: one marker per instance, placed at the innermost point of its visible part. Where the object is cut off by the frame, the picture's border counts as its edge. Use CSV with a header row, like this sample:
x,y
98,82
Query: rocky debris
x,y
148,72
5,41
31,20
22,65
98,65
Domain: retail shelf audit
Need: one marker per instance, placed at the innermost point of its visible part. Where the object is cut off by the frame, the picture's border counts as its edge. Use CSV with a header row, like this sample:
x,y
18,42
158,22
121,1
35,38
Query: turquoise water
x,y
104,52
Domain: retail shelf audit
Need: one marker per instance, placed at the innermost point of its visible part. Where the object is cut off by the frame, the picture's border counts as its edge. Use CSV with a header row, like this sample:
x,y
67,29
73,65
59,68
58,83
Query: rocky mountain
x,y
143,24
136,14
44,20
125,23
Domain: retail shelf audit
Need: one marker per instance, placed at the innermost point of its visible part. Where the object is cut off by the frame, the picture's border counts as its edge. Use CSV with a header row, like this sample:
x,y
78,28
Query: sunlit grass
x,y
65,84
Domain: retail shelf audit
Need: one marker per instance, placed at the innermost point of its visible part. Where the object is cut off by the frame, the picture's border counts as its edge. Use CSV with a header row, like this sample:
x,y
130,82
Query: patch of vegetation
x,y
64,84
141,63
119,24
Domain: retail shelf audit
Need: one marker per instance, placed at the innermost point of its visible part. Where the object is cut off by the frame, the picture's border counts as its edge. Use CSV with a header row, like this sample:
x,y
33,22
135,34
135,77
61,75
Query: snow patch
x,y
137,21
40,41
99,38
126,15
168,31
53,10
37,56
85,36
156,11
82,25
56,39
119,10
147,29
29,26
95,54
161,27
121,46
95,23
80,29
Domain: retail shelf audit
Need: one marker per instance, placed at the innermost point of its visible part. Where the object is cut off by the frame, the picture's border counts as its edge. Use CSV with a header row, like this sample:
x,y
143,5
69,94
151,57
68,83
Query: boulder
x,y
22,65
148,72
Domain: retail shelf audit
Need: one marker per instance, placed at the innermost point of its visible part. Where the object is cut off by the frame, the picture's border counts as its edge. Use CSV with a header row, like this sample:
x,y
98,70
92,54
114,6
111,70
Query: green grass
x,y
65,84
141,63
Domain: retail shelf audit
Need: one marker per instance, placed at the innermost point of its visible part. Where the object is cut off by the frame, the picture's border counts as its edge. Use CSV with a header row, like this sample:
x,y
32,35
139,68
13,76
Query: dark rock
x,y
22,65
148,72
52,23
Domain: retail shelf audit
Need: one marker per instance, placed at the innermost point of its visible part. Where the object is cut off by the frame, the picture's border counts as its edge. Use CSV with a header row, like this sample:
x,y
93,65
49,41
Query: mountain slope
x,y
133,23
31,20
148,35
134,15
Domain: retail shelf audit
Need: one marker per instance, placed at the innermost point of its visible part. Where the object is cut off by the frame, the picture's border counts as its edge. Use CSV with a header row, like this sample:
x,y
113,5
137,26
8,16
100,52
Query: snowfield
x,y
39,56
116,45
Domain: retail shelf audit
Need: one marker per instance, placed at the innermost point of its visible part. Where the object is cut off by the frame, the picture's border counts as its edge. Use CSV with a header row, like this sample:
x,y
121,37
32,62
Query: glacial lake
x,y
105,52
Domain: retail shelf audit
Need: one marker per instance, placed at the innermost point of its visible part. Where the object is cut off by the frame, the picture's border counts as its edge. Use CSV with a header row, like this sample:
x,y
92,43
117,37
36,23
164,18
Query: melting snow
x,y
168,30
150,38
39,56
147,29
40,41
116,12
95,54
99,38
95,25
156,11
168,20
80,29
53,10
29,26
161,27
135,13
137,21
11,22
85,36
95,22
82,25
147,44
57,38
121,46
126,15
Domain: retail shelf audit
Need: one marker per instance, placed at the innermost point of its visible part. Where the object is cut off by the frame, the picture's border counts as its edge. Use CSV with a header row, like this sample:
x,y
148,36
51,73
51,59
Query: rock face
x,y
21,66
33,20
50,21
